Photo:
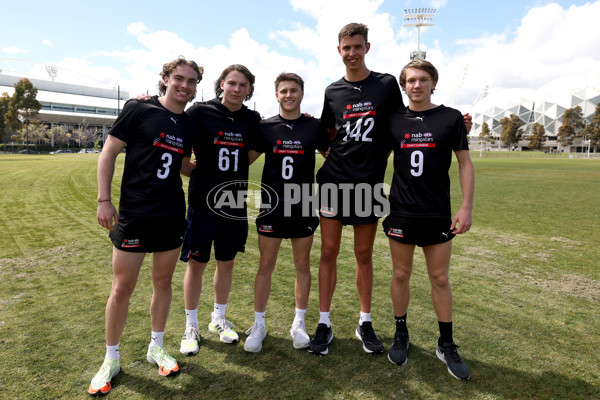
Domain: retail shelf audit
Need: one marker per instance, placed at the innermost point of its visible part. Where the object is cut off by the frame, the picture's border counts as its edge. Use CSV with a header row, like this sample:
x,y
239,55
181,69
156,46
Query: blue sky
x,y
476,45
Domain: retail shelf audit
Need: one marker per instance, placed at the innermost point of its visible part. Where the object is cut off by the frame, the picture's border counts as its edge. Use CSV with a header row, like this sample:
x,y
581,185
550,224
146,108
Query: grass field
x,y
525,279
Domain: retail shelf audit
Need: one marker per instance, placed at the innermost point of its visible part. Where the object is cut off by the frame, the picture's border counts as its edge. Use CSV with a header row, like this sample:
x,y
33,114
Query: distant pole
x,y
418,17
118,99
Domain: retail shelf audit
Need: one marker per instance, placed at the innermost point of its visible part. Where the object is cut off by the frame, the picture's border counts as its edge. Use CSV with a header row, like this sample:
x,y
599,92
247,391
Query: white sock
x,y
219,309
259,318
299,316
112,352
156,339
364,317
191,317
324,318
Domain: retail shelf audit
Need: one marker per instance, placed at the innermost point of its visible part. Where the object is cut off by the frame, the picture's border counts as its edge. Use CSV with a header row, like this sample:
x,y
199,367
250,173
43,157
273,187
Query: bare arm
x,y
252,156
468,121
187,167
464,217
106,169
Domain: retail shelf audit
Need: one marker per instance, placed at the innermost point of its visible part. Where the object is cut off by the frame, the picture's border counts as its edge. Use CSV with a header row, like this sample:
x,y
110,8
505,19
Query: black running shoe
x,y
398,351
320,341
448,354
370,341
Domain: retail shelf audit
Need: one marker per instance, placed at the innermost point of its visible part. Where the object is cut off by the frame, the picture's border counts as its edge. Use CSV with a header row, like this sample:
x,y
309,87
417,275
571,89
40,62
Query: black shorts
x,y
206,229
148,234
419,231
286,227
353,204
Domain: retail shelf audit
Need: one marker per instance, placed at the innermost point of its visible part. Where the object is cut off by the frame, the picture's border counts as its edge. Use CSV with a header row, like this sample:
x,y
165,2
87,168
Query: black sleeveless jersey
x,y
157,141
360,113
423,143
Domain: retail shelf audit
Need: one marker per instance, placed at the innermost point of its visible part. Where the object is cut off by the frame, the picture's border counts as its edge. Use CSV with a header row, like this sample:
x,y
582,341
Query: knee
x,y
439,280
401,274
121,292
364,256
162,282
329,253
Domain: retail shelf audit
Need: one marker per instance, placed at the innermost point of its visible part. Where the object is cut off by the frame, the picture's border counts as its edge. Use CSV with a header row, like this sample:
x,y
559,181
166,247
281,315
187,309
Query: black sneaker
x,y
320,341
448,354
398,351
370,341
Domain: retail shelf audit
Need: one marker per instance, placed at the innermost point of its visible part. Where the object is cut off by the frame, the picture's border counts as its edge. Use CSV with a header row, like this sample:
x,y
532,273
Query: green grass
x,y
525,280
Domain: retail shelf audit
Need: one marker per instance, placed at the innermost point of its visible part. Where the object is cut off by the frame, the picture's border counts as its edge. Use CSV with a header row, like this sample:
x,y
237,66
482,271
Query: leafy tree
x,y
38,132
572,125
4,129
538,136
23,103
511,132
485,134
592,131
61,136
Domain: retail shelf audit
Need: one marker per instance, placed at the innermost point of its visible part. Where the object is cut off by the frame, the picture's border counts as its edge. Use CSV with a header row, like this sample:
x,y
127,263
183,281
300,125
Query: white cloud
x,y
549,43
46,42
13,50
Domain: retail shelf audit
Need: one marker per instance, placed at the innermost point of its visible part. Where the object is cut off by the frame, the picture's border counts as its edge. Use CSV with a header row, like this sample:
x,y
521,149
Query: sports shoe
x,y
220,326
399,349
190,341
320,341
101,382
167,365
449,355
256,335
299,335
370,341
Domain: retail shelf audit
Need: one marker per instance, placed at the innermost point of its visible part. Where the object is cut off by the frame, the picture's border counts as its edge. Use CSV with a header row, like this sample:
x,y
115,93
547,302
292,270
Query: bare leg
x,y
364,237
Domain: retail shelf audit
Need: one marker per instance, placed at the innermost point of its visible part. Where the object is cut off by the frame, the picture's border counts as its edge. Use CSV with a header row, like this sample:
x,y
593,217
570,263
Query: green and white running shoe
x,y
167,365
101,382
220,326
190,341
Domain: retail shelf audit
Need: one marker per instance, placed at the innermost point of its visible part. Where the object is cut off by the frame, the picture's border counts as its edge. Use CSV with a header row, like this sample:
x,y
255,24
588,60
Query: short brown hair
x,y
289,76
352,29
423,65
171,65
239,68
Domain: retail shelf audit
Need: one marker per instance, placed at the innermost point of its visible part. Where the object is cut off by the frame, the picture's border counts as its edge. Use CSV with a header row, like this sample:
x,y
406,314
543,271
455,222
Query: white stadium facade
x,y
544,105
72,106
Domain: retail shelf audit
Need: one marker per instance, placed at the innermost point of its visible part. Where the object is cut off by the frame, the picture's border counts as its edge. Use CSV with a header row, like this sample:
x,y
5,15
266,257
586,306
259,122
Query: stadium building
x,y
72,106
545,106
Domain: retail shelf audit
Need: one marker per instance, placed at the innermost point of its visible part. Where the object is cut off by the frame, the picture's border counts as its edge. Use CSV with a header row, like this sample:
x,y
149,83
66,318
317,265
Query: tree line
x,y
573,126
19,122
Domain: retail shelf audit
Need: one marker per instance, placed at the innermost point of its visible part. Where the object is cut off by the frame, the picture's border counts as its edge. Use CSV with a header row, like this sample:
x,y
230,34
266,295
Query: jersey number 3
x,y
163,173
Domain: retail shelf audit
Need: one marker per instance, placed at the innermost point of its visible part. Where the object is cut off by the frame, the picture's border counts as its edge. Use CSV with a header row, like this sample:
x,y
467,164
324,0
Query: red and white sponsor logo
x,y
395,232
284,151
359,114
168,147
416,145
226,143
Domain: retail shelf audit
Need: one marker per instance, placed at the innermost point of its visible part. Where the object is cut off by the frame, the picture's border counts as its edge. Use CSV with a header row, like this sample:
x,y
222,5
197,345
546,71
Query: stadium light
x,y
52,71
418,17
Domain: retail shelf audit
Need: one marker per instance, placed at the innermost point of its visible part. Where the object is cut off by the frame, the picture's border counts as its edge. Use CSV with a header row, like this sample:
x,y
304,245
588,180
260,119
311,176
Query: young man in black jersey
x,y
227,134
356,111
151,219
423,141
289,141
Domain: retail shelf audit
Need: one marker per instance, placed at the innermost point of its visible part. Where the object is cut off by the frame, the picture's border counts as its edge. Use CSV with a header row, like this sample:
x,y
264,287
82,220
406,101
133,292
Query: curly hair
x,y
171,65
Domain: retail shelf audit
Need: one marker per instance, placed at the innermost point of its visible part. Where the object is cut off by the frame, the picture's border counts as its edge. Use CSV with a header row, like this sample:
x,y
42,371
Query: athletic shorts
x,y
205,229
148,234
286,227
360,204
419,231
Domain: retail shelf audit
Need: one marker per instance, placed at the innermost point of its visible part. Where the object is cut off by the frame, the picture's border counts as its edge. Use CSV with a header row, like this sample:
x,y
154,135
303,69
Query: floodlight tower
x,y
418,17
52,71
